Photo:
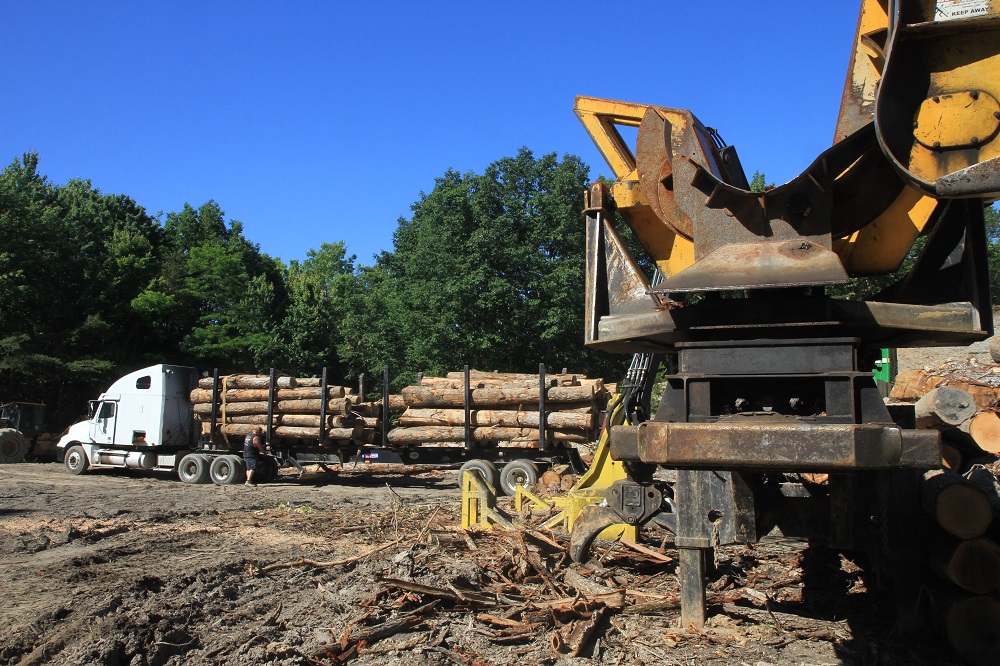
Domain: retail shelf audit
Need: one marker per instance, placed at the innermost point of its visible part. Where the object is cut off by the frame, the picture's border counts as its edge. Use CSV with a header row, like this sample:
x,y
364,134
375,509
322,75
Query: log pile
x,y
242,404
971,429
962,498
504,408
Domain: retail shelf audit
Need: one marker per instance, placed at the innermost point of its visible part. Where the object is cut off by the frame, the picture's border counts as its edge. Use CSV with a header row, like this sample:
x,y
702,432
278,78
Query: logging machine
x,y
770,368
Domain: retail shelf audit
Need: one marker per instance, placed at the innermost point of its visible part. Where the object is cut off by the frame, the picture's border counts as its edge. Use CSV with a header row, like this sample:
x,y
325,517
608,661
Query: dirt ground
x,y
129,568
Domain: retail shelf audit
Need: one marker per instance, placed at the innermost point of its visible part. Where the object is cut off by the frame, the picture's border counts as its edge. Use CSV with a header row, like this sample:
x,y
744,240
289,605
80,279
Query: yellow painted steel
x,y
880,246
671,251
479,504
593,484
857,104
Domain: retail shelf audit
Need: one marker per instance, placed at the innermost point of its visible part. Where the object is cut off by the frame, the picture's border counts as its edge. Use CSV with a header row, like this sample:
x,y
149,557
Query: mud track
x,y
120,568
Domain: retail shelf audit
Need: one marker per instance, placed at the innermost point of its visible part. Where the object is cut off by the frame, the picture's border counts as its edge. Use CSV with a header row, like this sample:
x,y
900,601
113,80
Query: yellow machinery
x,y
479,500
770,360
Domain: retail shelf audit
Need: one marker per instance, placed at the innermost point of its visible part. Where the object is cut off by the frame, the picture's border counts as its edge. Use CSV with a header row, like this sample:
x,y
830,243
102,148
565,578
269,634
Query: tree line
x,y
488,270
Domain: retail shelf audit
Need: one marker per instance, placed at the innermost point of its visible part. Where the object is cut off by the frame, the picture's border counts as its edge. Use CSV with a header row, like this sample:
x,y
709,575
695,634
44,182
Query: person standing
x,y
253,451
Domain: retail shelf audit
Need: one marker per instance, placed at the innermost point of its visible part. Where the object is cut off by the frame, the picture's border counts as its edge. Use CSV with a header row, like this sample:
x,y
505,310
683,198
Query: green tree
x,y
216,297
72,257
489,271
316,300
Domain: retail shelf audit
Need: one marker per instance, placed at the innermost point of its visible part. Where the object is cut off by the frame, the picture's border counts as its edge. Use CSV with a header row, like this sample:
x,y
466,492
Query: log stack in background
x,y
242,404
504,409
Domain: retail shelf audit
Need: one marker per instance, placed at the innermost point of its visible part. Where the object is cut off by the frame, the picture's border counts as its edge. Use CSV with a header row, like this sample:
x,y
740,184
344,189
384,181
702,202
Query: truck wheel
x,y
520,471
228,469
76,460
487,470
194,468
13,446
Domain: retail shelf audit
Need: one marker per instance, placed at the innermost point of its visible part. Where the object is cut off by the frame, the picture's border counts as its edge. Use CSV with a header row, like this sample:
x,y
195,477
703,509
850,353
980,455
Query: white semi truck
x,y
143,421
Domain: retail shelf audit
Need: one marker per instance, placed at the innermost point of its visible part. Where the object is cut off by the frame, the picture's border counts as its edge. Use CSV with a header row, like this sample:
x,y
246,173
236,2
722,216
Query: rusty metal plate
x,y
753,265
768,444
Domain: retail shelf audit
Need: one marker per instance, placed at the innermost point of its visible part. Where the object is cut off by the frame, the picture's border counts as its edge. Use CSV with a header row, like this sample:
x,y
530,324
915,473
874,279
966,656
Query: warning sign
x,y
949,10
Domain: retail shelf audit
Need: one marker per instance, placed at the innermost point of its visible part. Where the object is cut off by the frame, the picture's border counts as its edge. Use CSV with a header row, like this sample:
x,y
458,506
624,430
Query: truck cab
x,y
143,421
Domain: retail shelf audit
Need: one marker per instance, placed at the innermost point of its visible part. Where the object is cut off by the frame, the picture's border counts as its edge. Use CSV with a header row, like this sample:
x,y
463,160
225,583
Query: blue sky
x,y
317,122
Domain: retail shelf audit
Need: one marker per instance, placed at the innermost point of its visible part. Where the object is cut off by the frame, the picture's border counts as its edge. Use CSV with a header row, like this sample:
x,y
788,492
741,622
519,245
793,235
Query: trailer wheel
x,y
13,446
520,471
487,470
226,470
193,468
76,460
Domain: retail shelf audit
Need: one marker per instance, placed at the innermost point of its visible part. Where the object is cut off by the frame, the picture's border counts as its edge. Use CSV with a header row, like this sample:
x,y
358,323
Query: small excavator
x,y
770,359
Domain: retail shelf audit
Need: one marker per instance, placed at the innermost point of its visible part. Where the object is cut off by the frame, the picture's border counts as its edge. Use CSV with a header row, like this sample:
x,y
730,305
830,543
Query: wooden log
x,y
256,395
366,409
488,417
960,507
911,385
303,420
951,457
973,565
427,396
422,434
511,376
944,405
396,401
984,429
447,382
995,349
295,432
972,626
247,382
336,406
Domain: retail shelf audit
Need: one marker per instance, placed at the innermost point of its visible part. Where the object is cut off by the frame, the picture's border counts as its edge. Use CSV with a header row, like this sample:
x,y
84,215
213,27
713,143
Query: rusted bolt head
x,y
936,99
974,94
630,520
937,144
915,124
996,114
975,141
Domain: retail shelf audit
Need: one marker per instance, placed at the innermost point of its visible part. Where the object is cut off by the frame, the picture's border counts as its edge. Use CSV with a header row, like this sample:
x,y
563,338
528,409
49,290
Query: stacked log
x,y
241,404
977,430
962,498
504,408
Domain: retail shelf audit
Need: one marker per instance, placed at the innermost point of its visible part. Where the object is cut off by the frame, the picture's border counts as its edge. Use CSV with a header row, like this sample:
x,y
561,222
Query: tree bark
x,y
426,396
944,405
420,435
511,376
301,420
487,417
447,382
336,406
247,382
295,432
255,395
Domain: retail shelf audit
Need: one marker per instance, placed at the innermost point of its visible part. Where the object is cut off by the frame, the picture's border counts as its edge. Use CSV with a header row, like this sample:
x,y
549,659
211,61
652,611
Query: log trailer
x,y
148,420
770,378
